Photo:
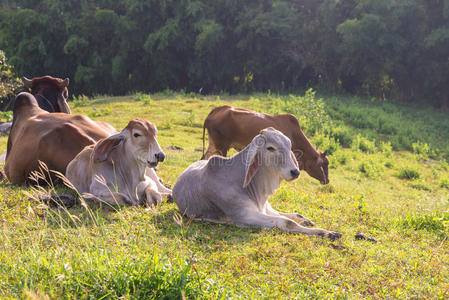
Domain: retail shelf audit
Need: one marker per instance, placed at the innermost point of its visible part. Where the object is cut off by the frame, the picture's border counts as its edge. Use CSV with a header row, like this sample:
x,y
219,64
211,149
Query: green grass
x,y
133,252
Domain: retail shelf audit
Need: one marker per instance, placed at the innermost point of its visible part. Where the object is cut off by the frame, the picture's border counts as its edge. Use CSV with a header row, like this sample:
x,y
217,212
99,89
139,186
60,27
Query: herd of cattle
x,y
118,167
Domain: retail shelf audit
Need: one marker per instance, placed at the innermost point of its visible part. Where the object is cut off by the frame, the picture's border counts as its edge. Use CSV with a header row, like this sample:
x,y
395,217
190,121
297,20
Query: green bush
x,y
144,98
371,168
422,149
343,135
363,144
409,173
386,148
324,142
444,182
437,223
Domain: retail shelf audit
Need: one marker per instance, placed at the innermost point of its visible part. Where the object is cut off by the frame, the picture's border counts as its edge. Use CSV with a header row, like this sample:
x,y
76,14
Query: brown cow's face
x,y
318,168
51,93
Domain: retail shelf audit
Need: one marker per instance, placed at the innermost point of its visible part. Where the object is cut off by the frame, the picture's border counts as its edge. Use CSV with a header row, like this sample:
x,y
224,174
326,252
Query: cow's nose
x,y
294,173
160,156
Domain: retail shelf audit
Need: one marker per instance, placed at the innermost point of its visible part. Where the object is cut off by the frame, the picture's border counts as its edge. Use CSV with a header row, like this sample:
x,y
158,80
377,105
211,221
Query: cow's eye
x,y
136,135
271,149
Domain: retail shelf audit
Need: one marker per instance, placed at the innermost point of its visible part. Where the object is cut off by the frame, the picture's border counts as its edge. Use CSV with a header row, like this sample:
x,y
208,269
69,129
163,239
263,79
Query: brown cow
x,y
51,93
53,138
231,127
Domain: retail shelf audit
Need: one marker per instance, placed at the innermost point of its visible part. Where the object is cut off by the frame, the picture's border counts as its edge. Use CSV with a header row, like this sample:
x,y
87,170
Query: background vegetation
x,y
400,198
389,49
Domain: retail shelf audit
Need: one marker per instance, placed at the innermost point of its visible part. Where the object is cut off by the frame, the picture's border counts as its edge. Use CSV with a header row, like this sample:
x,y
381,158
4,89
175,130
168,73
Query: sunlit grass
x,y
93,252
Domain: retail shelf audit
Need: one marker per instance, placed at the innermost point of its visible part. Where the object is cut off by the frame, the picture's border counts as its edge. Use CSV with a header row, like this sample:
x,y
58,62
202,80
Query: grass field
x,y
388,180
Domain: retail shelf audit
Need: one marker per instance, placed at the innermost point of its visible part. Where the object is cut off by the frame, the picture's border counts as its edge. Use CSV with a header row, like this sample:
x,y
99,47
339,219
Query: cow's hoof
x,y
334,235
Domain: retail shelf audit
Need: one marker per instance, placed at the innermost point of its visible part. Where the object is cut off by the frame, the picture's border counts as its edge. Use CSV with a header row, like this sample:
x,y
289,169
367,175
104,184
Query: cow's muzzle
x,y
160,157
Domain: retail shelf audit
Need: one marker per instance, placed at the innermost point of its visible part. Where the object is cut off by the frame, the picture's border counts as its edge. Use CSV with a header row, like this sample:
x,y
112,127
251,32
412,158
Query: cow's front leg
x,y
248,217
99,192
148,193
297,217
160,187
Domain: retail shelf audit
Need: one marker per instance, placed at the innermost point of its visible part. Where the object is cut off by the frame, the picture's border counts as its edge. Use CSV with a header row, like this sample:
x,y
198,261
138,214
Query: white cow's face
x,y
277,155
143,144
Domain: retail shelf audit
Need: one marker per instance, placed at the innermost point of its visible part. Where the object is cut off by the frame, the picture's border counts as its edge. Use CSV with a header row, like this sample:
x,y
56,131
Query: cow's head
x,y
272,150
51,93
139,140
317,167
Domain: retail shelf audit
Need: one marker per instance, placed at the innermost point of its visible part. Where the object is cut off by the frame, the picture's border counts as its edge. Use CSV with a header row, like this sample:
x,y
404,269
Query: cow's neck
x,y
129,171
302,143
264,184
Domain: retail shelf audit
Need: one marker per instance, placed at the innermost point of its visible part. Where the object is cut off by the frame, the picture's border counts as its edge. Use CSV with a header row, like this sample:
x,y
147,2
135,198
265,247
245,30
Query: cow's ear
x,y
104,148
252,162
251,169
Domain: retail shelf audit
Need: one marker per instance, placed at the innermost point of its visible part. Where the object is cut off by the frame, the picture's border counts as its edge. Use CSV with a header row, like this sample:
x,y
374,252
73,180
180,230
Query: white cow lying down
x,y
236,189
119,169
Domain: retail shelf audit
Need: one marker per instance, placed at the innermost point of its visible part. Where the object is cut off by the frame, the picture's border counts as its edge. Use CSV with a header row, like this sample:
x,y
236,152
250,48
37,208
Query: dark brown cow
x,y
230,127
53,138
51,93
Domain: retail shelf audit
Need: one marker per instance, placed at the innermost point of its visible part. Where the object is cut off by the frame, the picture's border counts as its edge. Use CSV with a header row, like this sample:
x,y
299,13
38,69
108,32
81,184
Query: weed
x,y
363,144
444,182
371,168
409,173
80,100
436,223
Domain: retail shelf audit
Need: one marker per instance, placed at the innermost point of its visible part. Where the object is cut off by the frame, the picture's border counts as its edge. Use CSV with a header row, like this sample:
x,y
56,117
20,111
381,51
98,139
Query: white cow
x,y
119,169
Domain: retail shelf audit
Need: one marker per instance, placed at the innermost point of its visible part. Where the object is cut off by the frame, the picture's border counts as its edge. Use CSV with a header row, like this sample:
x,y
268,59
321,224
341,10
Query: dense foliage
x,y
390,49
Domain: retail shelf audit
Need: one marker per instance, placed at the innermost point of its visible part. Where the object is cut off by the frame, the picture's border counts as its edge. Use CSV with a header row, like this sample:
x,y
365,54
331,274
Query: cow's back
x,y
239,126
54,139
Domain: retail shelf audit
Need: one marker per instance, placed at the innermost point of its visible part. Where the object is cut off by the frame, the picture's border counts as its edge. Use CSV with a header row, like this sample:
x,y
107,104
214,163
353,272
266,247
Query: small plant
x,y
6,116
421,149
437,223
190,120
168,124
371,169
325,142
444,182
386,148
409,173
80,100
343,135
363,144
144,98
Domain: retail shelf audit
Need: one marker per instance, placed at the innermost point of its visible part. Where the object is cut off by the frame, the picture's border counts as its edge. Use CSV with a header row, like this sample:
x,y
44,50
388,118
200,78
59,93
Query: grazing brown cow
x,y
231,127
51,93
53,138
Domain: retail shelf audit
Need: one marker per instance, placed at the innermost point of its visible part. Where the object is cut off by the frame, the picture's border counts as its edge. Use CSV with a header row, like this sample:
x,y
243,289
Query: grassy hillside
x,y
387,180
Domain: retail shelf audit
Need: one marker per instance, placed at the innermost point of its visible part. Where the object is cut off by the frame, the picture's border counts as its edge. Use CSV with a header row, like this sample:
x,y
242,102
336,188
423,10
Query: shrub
x,y
80,100
421,149
371,168
324,142
409,173
444,182
144,98
386,148
363,144
343,135
437,223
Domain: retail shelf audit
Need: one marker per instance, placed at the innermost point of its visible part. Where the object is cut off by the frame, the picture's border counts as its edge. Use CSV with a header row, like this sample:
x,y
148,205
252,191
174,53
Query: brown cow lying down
x,y
229,126
51,93
115,170
53,138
